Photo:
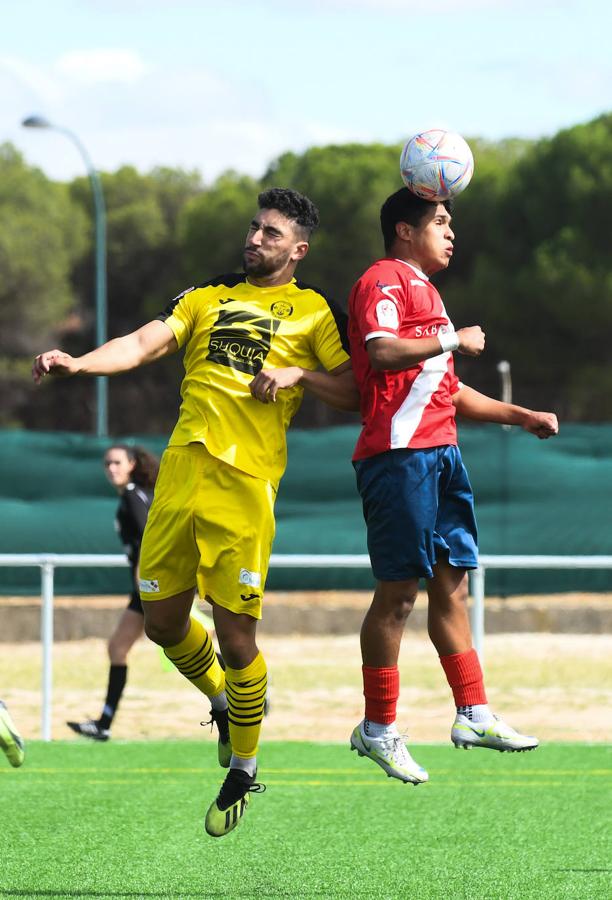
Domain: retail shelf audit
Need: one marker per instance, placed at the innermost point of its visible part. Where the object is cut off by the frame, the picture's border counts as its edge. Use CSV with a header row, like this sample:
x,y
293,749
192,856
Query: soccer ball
x,y
436,164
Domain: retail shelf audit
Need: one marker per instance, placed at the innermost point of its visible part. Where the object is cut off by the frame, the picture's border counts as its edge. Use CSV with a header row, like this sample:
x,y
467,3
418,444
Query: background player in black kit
x,y
132,472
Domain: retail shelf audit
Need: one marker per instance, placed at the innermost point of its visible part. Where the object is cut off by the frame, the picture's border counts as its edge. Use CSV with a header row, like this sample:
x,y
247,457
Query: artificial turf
x,y
122,820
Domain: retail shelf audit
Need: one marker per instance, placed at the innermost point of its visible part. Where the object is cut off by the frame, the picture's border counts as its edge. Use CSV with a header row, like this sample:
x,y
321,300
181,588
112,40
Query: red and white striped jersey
x,y
412,407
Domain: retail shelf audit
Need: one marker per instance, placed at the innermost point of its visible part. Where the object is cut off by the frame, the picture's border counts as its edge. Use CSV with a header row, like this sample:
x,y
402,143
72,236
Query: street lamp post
x,y
100,262
503,367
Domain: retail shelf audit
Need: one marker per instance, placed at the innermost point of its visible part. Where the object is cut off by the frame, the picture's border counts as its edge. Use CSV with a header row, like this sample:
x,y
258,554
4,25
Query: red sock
x,y
381,690
465,677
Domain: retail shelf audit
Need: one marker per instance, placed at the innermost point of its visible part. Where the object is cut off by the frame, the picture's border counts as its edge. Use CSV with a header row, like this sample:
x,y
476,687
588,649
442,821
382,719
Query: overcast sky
x,y
216,85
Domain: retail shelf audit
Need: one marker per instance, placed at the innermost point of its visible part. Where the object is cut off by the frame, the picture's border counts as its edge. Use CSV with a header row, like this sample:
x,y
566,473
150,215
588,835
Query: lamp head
x,y
36,122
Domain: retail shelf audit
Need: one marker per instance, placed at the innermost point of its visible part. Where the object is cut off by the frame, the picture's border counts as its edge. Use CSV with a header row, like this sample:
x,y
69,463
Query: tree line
x,y
532,266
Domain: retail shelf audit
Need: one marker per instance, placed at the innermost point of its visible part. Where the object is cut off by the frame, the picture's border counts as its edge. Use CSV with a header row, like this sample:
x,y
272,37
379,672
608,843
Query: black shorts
x,y
135,603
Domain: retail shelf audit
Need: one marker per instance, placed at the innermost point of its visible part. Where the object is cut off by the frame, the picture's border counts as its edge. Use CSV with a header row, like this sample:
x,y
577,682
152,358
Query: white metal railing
x,y
48,562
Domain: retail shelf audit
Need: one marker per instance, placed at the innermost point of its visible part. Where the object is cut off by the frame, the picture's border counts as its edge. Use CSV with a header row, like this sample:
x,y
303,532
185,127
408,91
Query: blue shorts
x,y
418,507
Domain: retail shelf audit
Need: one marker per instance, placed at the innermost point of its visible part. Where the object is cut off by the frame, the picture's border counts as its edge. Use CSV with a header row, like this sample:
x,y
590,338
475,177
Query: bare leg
x,y
166,622
130,628
236,634
185,641
447,619
383,625
381,636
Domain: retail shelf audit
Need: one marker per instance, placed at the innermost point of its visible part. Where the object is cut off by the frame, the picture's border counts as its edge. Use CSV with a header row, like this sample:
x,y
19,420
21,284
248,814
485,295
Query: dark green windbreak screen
x,y
532,497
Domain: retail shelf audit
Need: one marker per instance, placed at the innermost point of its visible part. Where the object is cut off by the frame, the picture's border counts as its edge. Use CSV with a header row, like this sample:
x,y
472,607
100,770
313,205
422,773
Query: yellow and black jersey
x,y
231,330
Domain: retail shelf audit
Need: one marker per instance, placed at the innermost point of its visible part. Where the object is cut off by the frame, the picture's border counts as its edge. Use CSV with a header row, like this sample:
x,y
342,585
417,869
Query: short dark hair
x,y
403,206
295,206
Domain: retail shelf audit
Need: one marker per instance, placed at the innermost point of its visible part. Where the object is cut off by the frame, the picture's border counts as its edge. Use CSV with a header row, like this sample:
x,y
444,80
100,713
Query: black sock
x,y
117,677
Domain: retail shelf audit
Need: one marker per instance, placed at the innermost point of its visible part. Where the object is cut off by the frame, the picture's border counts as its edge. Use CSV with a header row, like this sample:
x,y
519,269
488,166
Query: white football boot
x,y
493,734
389,752
10,739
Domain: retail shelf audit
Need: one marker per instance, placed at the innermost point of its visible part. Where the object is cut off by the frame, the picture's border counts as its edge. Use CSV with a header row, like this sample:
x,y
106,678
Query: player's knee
x,y
159,633
238,645
403,606
238,650
463,592
164,633
397,598
236,634
460,593
118,649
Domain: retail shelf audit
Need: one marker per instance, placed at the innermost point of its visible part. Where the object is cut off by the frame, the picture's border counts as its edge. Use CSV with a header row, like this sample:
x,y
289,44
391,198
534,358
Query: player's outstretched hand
x,y
268,382
53,362
471,340
542,424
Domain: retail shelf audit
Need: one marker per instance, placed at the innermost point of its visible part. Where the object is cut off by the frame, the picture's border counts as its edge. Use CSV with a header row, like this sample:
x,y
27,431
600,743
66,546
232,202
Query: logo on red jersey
x,y
386,313
428,330
387,288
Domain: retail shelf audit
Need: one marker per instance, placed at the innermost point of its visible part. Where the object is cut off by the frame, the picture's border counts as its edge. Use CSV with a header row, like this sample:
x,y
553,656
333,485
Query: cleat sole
x,y
464,746
494,736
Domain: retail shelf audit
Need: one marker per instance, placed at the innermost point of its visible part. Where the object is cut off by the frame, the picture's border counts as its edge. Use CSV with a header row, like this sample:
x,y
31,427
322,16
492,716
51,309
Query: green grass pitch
x,y
125,820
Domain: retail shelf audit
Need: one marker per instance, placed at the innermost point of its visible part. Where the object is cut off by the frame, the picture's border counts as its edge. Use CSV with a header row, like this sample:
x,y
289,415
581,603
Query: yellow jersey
x,y
231,329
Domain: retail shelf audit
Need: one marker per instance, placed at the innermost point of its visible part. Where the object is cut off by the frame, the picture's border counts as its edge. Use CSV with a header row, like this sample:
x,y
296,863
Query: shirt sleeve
x,y
134,511
455,384
137,510
378,307
330,337
179,316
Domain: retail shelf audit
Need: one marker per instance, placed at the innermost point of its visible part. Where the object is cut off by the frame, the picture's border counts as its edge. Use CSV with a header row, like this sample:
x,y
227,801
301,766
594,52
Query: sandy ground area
x,y
557,686
331,599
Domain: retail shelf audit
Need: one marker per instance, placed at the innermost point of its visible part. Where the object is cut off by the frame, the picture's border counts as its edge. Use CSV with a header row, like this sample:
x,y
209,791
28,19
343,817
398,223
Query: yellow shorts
x,y
210,525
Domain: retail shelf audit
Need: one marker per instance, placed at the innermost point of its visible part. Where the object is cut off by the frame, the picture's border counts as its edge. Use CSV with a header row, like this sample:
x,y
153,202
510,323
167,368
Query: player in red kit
x,y
417,498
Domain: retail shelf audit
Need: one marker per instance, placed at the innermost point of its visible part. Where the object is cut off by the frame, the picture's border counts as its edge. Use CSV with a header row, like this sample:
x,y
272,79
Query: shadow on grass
x,y
587,871
18,893
171,895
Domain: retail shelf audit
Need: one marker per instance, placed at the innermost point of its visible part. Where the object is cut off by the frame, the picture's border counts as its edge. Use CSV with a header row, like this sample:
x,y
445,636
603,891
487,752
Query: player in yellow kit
x,y
253,342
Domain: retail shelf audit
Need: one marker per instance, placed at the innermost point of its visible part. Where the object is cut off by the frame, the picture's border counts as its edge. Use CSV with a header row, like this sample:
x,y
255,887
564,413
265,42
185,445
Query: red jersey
x,y
412,407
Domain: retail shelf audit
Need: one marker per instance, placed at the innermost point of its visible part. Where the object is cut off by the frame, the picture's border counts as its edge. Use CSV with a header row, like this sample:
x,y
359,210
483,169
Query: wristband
x,y
449,341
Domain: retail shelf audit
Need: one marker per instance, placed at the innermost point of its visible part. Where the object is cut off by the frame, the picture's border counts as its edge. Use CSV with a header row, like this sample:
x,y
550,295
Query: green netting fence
x,y
532,497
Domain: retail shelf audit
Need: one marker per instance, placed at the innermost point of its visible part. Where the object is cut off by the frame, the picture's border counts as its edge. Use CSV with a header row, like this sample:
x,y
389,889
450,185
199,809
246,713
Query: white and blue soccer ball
x,y
436,164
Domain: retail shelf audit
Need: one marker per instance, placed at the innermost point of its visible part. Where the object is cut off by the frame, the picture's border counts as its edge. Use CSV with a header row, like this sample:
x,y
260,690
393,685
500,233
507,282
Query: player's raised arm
x,y
392,354
473,405
336,388
146,344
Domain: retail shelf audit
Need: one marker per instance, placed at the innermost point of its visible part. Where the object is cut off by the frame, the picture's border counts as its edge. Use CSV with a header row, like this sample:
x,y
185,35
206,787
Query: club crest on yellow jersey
x,y
282,309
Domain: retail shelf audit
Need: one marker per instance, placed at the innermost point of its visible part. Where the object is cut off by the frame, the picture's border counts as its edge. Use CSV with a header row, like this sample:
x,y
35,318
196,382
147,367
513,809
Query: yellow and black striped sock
x,y
195,658
246,693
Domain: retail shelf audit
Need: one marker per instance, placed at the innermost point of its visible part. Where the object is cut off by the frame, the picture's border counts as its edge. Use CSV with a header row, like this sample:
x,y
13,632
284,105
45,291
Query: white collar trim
x,y
414,268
